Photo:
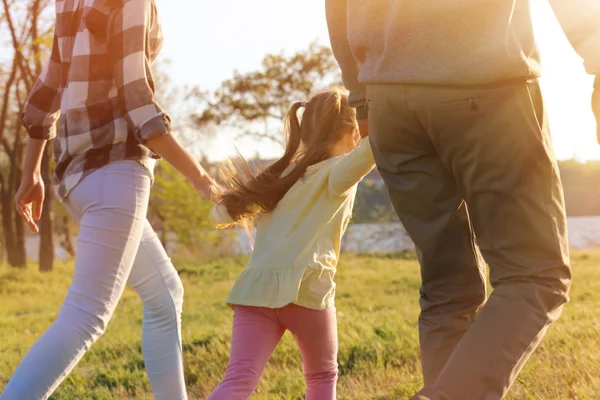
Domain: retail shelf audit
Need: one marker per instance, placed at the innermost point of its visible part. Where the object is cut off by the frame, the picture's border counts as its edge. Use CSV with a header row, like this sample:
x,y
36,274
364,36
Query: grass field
x,y
377,310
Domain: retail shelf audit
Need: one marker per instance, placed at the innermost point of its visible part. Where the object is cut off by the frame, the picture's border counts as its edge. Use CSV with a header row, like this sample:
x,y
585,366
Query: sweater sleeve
x,y
580,20
340,44
351,169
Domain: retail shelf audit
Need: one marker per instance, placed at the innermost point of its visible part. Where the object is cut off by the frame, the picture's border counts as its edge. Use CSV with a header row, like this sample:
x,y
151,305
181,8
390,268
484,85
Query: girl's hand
x,y
29,200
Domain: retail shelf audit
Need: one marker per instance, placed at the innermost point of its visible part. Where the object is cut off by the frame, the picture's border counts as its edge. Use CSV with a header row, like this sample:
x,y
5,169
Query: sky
x,y
206,41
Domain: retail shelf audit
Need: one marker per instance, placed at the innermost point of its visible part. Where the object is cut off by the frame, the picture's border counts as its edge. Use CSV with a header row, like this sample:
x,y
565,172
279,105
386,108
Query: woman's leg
x,y
111,205
157,283
256,333
316,335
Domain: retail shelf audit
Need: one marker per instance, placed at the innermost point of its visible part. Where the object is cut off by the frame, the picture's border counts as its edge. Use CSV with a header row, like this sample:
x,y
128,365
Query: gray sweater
x,y
449,42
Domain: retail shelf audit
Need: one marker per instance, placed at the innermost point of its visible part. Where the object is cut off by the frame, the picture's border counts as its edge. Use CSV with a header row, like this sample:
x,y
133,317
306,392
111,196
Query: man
x,y
460,136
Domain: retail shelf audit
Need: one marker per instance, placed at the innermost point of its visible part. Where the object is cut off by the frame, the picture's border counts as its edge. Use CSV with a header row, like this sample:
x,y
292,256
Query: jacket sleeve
x,y
351,169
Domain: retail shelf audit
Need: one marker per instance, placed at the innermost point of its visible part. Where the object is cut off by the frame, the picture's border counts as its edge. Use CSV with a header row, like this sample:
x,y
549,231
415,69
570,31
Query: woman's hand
x,y
169,148
29,200
208,189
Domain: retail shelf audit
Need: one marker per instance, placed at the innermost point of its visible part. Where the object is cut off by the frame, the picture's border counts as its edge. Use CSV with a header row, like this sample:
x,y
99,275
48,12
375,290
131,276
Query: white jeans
x,y
116,246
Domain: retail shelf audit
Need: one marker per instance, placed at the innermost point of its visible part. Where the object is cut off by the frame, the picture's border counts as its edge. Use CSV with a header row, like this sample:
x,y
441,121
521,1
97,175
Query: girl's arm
x,y
351,169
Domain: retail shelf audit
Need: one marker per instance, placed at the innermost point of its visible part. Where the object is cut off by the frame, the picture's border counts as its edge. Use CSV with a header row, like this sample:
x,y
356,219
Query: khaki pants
x,y
471,173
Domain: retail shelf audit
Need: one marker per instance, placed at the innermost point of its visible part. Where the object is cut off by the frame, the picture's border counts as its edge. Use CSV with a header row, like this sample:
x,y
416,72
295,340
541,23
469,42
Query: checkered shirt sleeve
x,y
132,69
42,108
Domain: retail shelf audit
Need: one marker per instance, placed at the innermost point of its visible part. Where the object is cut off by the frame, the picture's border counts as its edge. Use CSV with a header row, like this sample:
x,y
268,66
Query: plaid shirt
x,y
98,85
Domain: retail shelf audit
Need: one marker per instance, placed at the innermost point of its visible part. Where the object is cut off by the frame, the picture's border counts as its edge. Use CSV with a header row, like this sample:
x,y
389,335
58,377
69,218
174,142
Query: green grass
x,y
377,311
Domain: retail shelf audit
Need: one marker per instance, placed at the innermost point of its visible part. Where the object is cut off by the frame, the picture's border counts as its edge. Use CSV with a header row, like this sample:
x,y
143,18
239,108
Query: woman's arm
x,y
29,199
135,87
41,111
169,148
42,107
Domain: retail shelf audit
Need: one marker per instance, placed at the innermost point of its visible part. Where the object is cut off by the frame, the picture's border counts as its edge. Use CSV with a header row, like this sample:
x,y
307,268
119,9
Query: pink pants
x,y
256,333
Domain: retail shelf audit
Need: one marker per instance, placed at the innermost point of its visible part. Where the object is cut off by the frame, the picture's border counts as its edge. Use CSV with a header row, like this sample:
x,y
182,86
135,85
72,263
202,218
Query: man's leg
x,y
497,146
435,216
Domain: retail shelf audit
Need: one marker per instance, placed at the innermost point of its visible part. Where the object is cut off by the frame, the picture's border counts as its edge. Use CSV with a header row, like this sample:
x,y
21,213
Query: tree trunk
x,y
47,220
12,226
20,249
7,226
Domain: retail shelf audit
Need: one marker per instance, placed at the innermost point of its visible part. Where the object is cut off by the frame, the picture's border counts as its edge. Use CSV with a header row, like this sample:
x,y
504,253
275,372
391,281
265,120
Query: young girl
x,y
303,203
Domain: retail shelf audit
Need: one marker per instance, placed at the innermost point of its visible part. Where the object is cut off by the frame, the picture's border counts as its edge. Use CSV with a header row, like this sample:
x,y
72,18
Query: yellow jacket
x,y
297,246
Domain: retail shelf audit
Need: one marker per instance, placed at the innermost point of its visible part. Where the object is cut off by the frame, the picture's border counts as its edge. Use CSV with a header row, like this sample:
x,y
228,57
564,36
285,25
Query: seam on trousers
x,y
162,278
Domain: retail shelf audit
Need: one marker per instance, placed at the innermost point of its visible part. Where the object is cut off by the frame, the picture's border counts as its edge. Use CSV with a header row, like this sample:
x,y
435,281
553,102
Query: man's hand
x,y
596,109
363,127
29,200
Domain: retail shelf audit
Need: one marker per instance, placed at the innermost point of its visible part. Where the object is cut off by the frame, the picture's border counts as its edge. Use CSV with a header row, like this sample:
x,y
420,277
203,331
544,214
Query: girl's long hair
x,y
326,118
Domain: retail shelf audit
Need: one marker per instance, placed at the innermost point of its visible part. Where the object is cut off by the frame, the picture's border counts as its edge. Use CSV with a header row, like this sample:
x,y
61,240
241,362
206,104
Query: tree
x,y
11,142
29,43
180,216
253,103
176,211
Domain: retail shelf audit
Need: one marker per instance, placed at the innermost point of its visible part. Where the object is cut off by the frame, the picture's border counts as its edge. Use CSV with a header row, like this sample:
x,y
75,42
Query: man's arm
x,y
580,20
338,34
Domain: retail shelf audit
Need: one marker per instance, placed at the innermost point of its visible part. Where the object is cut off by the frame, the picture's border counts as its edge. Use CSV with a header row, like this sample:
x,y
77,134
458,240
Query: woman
x,y
111,129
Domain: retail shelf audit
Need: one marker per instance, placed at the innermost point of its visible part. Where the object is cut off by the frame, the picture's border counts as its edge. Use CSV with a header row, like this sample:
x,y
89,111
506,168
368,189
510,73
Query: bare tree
x,y
29,44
